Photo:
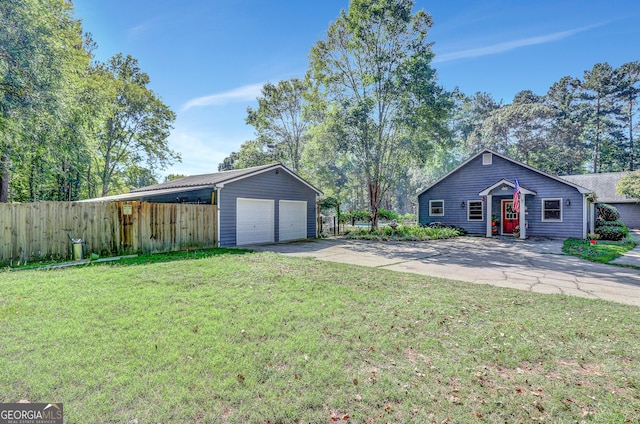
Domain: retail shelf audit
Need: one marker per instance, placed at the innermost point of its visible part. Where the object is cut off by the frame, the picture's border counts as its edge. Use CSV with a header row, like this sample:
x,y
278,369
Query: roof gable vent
x,y
487,158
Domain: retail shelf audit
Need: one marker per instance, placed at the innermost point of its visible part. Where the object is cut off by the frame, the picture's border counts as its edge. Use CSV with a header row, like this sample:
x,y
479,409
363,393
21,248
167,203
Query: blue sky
x,y
207,59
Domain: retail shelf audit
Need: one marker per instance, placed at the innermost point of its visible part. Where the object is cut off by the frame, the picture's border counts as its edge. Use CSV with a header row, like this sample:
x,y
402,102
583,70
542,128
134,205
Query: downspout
x,y
218,189
585,215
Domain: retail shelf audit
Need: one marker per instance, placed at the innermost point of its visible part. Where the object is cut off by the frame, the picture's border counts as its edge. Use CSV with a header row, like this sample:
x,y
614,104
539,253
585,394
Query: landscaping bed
x,y
404,232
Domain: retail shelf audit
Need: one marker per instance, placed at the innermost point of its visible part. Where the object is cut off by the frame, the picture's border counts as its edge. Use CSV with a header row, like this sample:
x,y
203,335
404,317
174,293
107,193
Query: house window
x,y
487,158
474,210
552,210
436,207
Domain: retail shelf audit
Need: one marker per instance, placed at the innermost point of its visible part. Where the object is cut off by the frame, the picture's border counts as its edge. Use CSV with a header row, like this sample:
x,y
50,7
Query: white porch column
x,y
489,215
585,216
523,216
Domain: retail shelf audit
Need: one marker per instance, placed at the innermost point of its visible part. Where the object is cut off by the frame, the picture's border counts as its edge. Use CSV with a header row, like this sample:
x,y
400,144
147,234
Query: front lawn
x,y
603,251
262,338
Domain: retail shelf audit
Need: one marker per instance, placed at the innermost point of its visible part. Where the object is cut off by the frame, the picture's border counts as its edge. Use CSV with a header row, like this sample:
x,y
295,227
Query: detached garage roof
x,y
202,181
603,184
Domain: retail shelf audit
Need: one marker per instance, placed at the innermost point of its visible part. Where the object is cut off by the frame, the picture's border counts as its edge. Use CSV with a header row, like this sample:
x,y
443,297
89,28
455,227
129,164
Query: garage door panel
x,y
292,220
254,221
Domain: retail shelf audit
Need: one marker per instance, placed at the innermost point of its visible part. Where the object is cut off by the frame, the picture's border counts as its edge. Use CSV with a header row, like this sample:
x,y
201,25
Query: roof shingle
x,y
603,184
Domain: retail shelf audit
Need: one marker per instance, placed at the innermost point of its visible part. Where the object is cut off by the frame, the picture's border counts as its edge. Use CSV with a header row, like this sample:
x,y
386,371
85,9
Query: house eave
x,y
504,182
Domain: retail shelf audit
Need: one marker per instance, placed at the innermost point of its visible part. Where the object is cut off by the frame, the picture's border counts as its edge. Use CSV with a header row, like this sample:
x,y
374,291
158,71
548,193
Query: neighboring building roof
x,y
580,188
603,184
202,181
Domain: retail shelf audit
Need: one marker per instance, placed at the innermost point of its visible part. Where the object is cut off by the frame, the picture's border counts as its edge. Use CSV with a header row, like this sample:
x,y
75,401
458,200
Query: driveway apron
x,y
535,265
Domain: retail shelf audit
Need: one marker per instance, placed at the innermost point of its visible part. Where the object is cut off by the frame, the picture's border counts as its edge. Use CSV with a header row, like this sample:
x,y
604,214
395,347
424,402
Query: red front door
x,y
509,217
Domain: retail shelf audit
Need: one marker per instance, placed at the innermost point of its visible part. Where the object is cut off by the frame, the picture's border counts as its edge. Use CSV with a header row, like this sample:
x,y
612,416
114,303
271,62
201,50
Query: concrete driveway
x,y
532,265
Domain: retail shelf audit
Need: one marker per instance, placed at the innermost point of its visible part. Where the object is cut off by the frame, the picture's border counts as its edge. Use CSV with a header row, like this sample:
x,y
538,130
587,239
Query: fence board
x,y
30,231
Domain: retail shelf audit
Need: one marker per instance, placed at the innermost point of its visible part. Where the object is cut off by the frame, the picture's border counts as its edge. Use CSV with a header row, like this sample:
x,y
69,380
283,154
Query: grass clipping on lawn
x,y
266,338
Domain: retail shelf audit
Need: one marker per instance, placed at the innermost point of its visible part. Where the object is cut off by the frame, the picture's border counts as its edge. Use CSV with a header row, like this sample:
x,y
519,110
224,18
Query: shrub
x,y
611,224
360,215
608,213
612,232
363,215
404,233
630,240
388,215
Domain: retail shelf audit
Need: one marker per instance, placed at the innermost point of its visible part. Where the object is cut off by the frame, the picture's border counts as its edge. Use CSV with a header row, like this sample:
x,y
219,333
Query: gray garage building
x,y
604,186
263,204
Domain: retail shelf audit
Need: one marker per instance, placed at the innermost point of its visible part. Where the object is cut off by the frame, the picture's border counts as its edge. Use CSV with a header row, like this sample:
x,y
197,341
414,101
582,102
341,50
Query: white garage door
x,y
292,220
254,221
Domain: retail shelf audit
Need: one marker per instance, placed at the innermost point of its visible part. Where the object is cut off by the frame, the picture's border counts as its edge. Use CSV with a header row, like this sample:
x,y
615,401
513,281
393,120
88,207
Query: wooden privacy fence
x,y
43,230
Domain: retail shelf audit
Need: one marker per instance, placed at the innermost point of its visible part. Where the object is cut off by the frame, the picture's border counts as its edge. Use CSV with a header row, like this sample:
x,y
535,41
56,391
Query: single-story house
x,y
604,185
480,192
263,204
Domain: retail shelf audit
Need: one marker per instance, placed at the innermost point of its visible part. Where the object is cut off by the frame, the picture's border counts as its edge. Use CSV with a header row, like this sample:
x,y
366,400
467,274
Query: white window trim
x,y
542,209
487,158
469,210
431,208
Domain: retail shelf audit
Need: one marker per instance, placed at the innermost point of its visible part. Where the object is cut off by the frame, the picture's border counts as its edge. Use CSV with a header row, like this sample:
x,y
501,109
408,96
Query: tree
x,y
520,129
228,163
374,73
470,114
598,91
629,185
137,127
628,76
41,53
279,121
137,177
252,153
566,152
172,177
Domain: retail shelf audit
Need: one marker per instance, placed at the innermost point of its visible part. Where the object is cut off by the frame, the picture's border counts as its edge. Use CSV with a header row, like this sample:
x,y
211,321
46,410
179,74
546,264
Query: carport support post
x,y
523,216
489,215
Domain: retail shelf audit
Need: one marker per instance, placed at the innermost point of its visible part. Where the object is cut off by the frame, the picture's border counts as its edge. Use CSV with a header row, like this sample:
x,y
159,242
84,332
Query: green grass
x,y
262,338
403,232
603,251
147,258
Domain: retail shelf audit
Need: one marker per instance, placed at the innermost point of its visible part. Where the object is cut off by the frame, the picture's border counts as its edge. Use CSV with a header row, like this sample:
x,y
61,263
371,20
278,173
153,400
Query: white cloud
x,y
509,45
240,94
141,29
201,151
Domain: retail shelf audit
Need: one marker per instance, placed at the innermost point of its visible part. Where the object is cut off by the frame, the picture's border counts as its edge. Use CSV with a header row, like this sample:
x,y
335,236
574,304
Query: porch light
x,y
462,204
568,202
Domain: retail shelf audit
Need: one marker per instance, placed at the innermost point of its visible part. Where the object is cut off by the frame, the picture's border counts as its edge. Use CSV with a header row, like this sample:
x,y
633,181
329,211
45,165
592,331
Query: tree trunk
x,y
4,178
631,157
374,202
596,146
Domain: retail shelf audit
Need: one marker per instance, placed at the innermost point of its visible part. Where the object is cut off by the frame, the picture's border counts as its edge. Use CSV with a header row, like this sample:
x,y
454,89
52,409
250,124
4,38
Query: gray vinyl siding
x,y
629,213
465,183
267,185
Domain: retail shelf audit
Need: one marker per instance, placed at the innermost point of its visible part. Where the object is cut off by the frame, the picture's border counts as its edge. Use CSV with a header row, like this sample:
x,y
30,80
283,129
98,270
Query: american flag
x,y
516,197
